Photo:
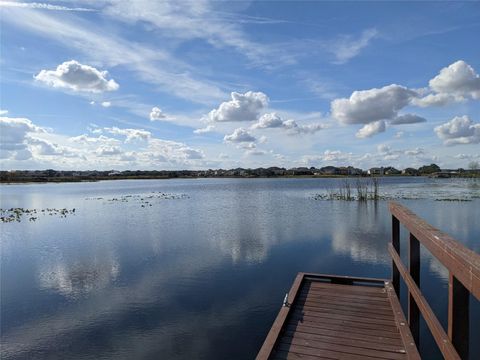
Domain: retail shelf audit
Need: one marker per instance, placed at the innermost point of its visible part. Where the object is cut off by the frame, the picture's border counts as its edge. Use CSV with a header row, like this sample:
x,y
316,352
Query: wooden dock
x,y
339,317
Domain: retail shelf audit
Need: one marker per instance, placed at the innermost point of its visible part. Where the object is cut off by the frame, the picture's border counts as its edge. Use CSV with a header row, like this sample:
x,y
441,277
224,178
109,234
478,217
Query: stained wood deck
x,y
332,317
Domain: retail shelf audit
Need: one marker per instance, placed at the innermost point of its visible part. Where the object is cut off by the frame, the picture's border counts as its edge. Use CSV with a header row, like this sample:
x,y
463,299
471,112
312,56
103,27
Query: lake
x,y
198,268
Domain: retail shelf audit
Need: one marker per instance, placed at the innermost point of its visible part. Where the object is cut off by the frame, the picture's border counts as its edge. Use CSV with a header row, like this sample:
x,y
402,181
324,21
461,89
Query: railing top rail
x,y
462,262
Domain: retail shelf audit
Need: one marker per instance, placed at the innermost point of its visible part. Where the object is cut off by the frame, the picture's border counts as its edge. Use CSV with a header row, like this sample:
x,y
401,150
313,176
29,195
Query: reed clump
x,y
366,189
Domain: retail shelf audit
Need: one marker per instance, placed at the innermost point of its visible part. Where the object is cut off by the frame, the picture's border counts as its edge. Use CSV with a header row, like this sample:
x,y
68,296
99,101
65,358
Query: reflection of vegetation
x,y
16,214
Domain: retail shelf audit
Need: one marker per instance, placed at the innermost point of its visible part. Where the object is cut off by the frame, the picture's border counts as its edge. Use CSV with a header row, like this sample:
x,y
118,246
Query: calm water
x,y
197,276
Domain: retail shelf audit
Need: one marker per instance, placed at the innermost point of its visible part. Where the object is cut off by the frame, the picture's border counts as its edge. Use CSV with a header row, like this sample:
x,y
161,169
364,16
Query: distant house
x,y
392,171
113,173
354,171
376,171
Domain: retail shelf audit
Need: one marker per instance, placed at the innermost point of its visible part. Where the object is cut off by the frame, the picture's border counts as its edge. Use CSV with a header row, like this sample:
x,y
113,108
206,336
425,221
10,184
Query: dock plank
x,y
332,320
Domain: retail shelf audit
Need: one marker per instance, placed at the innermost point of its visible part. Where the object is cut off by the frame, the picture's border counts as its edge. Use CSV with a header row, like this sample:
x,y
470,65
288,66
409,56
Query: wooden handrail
x,y
441,338
464,268
463,263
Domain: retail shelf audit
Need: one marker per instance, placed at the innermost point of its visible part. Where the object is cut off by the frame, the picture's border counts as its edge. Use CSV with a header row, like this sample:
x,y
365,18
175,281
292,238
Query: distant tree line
x,y
51,175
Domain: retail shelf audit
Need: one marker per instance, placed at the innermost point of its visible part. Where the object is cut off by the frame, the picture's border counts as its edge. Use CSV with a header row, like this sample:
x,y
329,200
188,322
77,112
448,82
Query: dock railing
x,y
463,266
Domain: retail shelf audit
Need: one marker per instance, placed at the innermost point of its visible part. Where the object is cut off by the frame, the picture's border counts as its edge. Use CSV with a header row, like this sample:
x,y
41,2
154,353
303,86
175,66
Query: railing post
x,y
414,268
396,246
458,316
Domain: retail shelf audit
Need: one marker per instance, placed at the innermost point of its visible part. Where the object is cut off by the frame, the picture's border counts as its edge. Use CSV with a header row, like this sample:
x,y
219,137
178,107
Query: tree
x,y
474,165
429,169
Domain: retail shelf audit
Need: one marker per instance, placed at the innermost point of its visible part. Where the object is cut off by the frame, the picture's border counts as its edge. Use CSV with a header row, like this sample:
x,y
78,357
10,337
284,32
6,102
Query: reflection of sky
x,y
184,277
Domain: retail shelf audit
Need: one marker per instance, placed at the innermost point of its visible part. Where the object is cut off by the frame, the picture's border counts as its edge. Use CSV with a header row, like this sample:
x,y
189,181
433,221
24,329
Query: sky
x,y
177,84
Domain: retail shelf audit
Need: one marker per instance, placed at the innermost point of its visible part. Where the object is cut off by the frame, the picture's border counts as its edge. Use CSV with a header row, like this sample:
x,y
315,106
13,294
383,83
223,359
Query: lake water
x,y
197,269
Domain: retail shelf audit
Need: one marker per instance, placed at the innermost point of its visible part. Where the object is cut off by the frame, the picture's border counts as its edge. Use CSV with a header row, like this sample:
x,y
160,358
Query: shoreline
x,y
114,178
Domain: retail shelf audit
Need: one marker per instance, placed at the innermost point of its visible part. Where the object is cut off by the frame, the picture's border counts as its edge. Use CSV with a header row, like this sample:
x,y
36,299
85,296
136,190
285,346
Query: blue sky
x,y
220,84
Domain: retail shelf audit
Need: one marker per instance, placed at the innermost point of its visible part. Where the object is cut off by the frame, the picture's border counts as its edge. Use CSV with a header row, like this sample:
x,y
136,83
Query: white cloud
x,y
269,120
15,137
46,148
42,6
152,65
293,128
3,112
90,140
255,152
459,130
407,119
415,152
273,120
130,134
106,104
239,135
193,20
242,107
346,47
367,106
457,82
433,100
157,114
207,129
172,151
77,77
371,129
459,79
384,149
106,150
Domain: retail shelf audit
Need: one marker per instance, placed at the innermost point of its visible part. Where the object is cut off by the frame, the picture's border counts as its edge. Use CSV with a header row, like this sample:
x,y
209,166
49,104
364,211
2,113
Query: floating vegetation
x,y
369,190
17,214
453,199
145,200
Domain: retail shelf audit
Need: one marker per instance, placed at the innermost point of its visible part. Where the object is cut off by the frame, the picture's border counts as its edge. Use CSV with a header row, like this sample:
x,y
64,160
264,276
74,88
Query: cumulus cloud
x,y
294,128
130,134
433,100
172,151
77,77
459,130
85,139
458,79
47,148
269,120
273,120
106,104
367,106
106,150
242,107
3,112
455,83
157,114
371,129
240,135
407,119
15,137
